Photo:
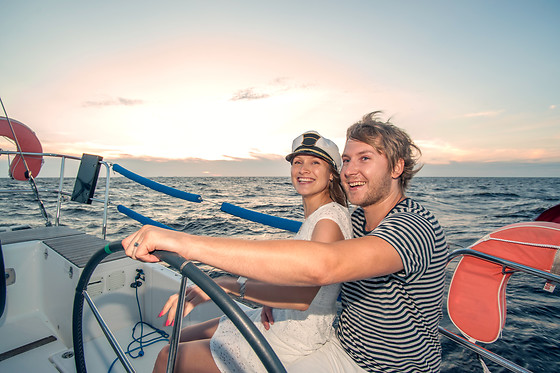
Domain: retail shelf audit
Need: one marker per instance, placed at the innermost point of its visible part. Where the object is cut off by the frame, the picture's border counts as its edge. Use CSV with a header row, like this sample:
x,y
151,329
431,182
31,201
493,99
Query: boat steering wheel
x,y
188,270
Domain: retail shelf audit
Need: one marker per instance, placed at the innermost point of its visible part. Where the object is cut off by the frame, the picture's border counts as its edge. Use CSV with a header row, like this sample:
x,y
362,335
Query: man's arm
x,y
281,262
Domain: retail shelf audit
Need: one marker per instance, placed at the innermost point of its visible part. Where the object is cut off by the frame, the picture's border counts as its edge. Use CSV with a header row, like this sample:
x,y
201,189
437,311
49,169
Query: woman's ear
x,y
398,169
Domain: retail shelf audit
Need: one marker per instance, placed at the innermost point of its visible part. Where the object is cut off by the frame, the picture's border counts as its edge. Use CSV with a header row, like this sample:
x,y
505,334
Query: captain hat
x,y
312,143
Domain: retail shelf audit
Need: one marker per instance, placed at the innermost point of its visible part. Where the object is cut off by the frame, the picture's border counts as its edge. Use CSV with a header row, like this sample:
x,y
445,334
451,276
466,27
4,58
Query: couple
x,y
392,271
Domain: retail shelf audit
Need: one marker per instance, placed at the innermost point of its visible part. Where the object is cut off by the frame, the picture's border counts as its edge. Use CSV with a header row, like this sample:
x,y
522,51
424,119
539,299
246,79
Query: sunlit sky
x,y
187,88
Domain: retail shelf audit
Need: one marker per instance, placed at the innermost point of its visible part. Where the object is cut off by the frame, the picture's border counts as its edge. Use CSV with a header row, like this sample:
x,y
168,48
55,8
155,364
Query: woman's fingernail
x,y
160,314
167,323
173,323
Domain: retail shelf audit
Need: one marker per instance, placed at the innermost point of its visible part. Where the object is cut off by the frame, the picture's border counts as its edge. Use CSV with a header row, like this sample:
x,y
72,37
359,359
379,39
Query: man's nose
x,y
348,168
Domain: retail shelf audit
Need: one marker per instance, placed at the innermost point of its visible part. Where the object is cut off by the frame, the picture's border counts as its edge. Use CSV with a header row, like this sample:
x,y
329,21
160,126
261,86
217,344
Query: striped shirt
x,y
390,323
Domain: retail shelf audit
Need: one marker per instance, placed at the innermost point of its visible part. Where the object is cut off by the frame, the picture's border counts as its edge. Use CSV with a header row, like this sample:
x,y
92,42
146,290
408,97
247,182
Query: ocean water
x,y
467,208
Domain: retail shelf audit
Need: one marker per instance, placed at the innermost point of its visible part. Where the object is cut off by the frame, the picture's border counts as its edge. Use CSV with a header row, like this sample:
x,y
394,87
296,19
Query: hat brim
x,y
291,156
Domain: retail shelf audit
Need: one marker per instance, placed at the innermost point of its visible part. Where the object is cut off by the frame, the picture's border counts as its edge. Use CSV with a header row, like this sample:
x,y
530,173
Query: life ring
x,y
27,142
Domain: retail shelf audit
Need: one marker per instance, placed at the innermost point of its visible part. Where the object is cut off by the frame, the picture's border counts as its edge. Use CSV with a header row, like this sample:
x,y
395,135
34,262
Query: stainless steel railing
x,y
506,265
60,192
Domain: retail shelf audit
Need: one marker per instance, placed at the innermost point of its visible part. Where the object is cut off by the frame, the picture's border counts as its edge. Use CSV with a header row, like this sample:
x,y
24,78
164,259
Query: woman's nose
x,y
304,168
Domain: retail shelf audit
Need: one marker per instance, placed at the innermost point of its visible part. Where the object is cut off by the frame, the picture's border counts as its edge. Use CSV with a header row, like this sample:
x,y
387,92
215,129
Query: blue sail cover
x,y
254,216
157,186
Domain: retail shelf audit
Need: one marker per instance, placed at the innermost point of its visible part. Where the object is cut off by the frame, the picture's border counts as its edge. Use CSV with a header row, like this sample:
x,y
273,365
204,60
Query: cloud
x,y
256,156
248,94
484,114
277,86
281,80
490,169
119,101
192,167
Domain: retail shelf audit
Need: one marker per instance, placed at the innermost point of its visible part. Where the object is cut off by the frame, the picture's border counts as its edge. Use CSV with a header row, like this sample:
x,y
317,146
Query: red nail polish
x,y
160,314
167,323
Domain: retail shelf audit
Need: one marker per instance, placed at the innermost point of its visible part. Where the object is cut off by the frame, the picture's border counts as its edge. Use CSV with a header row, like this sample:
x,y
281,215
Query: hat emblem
x,y
310,139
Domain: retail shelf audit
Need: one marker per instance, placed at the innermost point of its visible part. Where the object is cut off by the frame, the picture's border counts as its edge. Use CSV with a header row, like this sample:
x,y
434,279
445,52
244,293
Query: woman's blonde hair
x,y
335,188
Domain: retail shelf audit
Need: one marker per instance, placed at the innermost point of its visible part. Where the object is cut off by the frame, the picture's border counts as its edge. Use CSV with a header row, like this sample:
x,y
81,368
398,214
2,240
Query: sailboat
x,y
71,301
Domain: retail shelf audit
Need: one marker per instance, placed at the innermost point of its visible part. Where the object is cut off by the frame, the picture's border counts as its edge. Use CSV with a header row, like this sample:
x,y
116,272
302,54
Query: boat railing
x,y
243,213
60,191
508,267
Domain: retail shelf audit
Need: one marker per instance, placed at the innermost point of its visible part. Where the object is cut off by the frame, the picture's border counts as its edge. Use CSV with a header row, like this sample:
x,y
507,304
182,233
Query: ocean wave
x,y
467,209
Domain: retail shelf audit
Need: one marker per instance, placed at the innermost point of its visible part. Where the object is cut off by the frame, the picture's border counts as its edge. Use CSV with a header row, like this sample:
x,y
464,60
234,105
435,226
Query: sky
x,y
221,88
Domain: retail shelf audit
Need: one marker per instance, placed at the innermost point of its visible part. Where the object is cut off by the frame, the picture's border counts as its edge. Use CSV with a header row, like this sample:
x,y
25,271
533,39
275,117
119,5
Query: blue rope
x,y
161,336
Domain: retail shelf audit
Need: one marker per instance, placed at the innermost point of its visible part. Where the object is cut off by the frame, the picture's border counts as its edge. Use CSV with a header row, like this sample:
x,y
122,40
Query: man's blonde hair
x,y
388,140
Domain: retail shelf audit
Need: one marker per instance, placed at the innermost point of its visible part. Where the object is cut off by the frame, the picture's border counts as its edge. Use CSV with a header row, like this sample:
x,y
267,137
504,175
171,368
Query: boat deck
x,y
38,312
52,355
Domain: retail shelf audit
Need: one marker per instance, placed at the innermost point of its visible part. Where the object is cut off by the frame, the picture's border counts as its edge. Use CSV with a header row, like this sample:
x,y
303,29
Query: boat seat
x,y
36,234
476,301
77,247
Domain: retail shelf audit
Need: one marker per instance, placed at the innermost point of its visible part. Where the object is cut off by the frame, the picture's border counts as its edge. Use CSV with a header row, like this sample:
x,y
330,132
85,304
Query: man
x,y
392,271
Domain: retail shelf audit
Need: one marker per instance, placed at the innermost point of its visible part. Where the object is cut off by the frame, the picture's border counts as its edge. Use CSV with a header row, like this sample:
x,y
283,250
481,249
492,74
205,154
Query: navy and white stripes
x,y
390,323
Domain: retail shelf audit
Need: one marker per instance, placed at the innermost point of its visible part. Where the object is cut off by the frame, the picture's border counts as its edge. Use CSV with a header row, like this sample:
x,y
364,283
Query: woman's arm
x,y
274,296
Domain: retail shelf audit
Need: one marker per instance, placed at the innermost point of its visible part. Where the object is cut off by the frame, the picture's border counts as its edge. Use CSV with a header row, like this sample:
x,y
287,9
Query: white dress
x,y
294,334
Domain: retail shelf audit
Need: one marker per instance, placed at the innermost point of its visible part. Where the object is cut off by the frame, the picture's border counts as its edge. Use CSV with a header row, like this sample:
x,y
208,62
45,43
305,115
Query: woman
x,y
296,320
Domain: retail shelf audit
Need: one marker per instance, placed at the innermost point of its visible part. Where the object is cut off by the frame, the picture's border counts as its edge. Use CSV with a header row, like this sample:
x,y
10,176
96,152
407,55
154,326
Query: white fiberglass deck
x,y
36,327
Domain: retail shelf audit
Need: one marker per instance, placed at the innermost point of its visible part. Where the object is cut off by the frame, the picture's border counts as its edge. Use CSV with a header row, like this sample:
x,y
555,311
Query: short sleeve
x,y
413,238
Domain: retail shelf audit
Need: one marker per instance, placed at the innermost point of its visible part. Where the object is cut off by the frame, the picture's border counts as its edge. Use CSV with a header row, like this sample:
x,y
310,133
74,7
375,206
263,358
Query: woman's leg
x,y
195,340
193,356
203,330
